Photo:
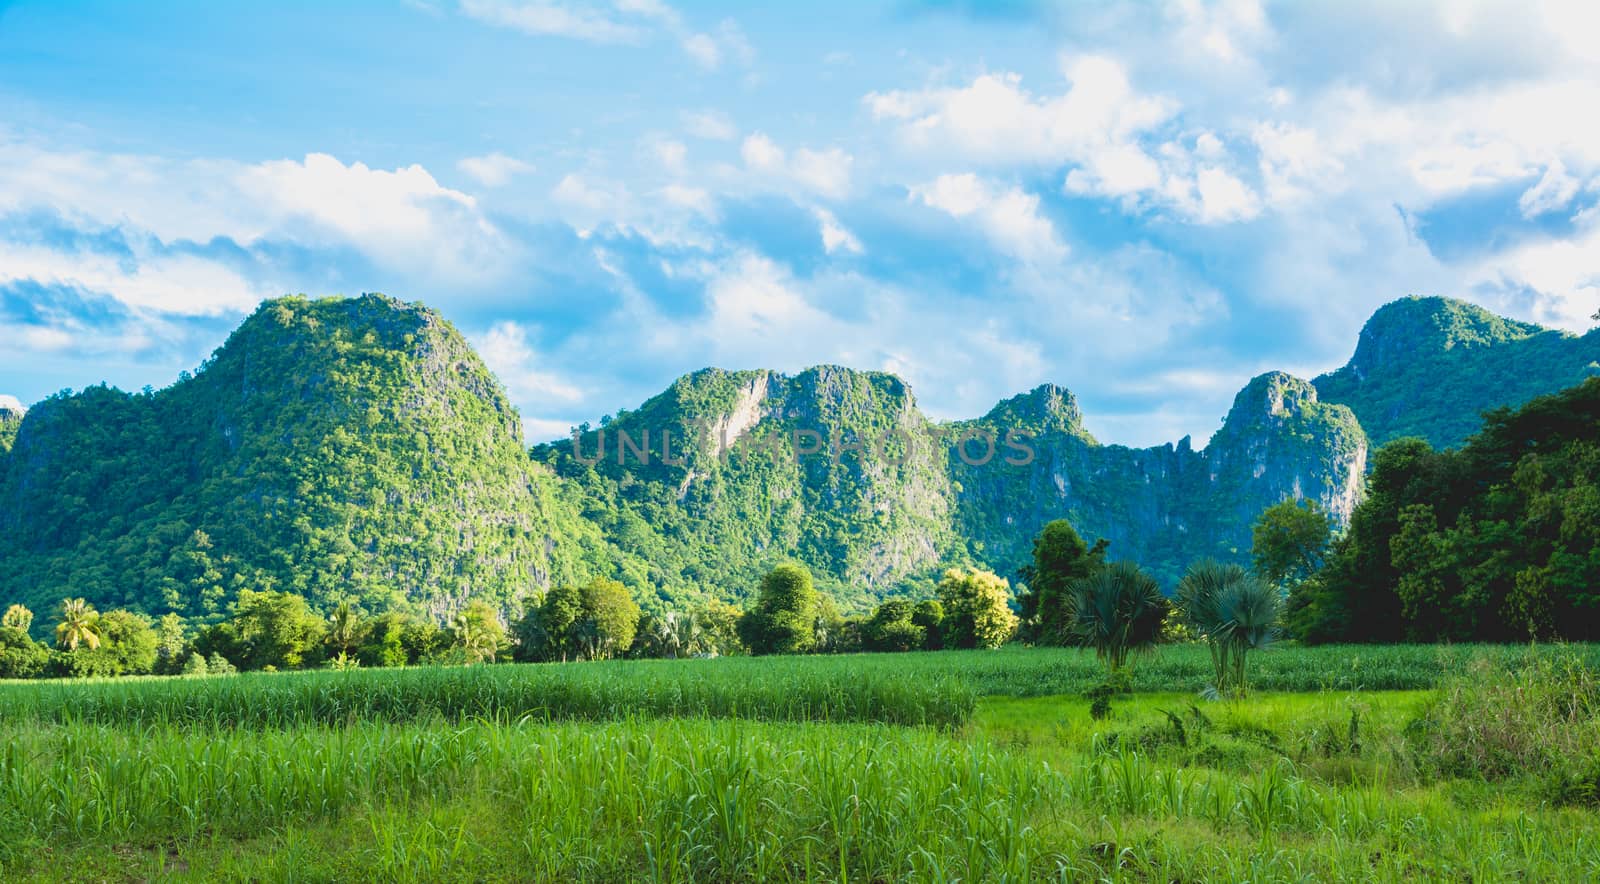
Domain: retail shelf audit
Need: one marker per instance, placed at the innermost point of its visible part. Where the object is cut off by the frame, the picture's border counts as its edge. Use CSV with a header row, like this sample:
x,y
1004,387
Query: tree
x,y
196,664
891,628
1118,610
1235,612
1289,541
171,641
17,617
345,629
719,628
614,616
477,632
1060,557
977,611
79,625
20,655
276,629
929,615
783,620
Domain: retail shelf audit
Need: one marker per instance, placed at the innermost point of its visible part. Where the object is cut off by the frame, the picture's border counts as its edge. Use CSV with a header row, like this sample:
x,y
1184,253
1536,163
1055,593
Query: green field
x,y
947,766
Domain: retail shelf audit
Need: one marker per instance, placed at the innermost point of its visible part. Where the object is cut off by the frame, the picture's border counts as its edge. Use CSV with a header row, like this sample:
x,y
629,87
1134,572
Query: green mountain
x,y
1430,367
888,498
337,448
358,448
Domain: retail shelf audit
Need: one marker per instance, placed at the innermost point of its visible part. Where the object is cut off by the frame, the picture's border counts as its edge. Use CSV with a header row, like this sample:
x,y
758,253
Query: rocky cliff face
x,y
1170,505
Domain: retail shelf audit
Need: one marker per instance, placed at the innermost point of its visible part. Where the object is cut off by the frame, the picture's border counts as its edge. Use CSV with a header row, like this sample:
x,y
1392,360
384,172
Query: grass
x,y
657,771
789,689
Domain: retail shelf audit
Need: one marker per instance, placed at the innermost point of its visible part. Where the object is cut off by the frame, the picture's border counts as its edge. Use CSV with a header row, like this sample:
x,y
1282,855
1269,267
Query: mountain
x,y
889,498
337,448
11,413
358,448
1430,367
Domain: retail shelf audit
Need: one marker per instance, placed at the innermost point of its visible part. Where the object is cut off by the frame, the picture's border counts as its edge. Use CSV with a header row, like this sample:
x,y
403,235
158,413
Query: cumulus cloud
x,y
825,172
1008,216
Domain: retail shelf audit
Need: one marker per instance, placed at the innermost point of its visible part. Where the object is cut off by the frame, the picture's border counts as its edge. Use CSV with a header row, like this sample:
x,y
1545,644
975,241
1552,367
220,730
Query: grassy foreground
x,y
1320,785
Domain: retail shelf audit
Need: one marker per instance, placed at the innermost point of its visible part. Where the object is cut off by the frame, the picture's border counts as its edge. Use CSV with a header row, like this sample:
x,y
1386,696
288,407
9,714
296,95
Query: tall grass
x,y
684,800
775,690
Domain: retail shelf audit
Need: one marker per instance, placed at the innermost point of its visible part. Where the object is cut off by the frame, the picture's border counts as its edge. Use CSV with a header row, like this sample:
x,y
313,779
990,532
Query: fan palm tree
x,y
1235,611
80,625
344,629
1118,610
677,633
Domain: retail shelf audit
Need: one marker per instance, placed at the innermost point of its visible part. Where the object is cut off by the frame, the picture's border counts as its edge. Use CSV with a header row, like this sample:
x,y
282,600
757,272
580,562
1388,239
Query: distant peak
x,y
1403,329
1045,408
1273,393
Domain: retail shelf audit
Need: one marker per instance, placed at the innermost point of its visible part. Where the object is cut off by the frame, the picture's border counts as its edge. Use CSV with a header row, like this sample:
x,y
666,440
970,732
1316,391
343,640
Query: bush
x,y
1540,719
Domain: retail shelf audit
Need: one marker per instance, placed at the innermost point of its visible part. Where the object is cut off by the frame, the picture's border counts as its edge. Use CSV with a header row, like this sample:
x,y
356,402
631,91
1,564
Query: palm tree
x,y
1118,610
80,625
677,633
344,629
1235,611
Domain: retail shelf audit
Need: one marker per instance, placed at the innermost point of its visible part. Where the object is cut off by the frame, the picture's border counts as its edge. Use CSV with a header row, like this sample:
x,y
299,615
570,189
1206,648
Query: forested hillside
x,y
358,449
1499,540
334,448
1430,367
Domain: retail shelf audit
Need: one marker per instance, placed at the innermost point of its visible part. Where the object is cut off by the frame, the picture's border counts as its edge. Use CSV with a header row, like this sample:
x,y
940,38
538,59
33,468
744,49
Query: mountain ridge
x,y
358,448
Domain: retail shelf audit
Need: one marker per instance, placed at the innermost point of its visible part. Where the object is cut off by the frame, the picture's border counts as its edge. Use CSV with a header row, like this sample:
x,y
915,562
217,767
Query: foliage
x,y
784,618
1429,367
795,689
892,628
1497,541
977,611
338,449
1289,541
79,625
476,630
593,621
20,655
1496,722
1235,612
276,629
1118,610
1060,558
17,617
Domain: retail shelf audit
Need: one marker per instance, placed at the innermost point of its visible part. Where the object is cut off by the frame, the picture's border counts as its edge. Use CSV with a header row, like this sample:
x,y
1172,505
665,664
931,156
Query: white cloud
x,y
694,198
1553,192
624,22
495,169
670,154
555,19
835,238
1008,216
505,349
704,50
996,120
710,125
10,402
825,172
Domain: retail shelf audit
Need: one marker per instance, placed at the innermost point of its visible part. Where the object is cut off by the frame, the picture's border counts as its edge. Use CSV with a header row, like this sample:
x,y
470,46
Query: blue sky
x,y
1148,203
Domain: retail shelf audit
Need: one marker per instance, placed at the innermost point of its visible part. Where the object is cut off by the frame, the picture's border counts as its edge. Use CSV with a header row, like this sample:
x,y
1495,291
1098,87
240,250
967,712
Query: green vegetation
x,y
1497,541
1429,367
371,774
1118,611
1234,612
337,449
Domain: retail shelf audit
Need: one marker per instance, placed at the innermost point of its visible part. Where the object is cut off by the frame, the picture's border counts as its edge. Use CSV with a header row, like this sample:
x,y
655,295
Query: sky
x,y
1145,202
